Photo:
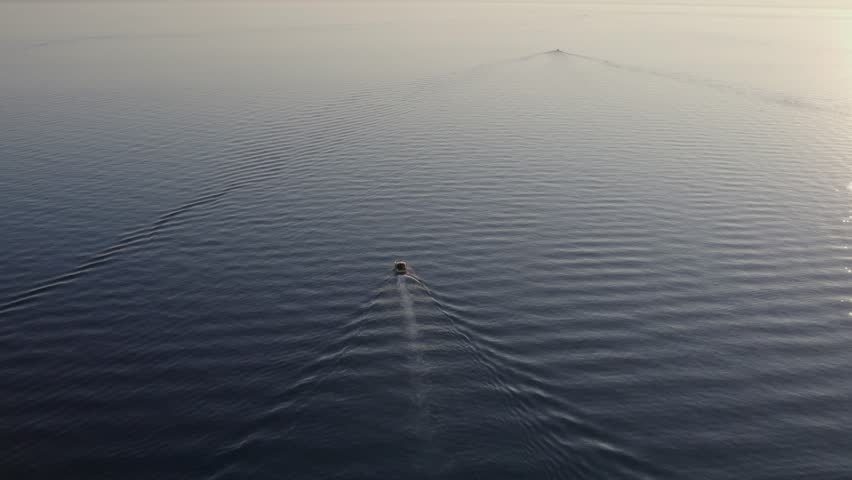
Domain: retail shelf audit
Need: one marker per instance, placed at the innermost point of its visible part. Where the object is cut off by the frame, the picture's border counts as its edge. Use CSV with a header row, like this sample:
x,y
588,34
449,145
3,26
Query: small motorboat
x,y
400,268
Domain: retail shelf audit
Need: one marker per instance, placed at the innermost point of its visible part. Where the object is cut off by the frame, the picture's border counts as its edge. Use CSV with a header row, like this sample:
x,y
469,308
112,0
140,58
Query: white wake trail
x,y
407,309
417,372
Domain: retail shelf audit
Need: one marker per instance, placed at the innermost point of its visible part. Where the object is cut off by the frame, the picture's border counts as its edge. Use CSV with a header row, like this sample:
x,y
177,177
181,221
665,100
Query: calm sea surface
x,y
631,257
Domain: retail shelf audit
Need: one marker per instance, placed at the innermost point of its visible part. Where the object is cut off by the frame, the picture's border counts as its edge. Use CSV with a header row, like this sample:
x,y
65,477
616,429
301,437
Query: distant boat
x,y
557,51
400,268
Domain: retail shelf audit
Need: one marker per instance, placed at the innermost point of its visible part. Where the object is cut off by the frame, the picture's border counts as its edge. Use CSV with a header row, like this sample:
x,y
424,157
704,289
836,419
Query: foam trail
x,y
407,308
422,423
411,331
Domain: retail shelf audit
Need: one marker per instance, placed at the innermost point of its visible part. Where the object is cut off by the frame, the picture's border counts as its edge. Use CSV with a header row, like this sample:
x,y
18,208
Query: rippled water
x,y
630,256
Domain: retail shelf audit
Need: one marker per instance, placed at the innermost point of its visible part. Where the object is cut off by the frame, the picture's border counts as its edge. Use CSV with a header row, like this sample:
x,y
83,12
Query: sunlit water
x,y
631,255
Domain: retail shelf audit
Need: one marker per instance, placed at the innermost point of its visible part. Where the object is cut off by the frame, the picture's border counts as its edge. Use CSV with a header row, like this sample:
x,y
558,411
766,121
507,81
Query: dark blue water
x,y
630,258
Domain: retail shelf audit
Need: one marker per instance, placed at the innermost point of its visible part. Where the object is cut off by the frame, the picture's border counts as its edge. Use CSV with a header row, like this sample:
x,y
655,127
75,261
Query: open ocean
x,y
631,256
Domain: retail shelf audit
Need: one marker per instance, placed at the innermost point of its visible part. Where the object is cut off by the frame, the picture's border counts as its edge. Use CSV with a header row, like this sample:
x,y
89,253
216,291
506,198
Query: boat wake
x,y
407,308
418,370
457,362
720,86
279,148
